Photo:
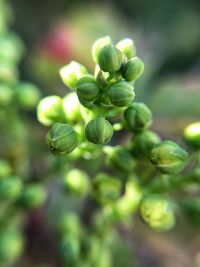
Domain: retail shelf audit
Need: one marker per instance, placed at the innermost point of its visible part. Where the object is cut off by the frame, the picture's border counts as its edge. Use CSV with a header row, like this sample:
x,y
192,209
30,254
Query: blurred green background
x,y
167,37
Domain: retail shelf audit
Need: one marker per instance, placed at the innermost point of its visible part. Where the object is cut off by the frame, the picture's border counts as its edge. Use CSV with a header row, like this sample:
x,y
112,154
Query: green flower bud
x,y
8,73
127,47
128,203
70,250
102,83
10,188
142,144
6,95
50,110
87,88
192,134
99,131
138,117
132,69
98,45
119,159
106,189
69,224
11,48
71,73
110,58
33,196
5,168
121,94
61,139
76,182
168,157
27,95
11,246
157,212
71,107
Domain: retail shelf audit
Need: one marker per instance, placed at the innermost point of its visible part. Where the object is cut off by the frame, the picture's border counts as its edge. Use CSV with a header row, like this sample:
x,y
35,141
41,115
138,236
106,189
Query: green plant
x,y
133,175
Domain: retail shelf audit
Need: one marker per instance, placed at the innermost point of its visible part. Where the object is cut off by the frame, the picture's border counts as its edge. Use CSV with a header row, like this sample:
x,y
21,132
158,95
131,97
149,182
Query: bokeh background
x,y
167,37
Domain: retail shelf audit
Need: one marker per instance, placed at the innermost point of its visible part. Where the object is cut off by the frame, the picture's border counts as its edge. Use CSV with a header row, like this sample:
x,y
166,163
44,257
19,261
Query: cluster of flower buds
x,y
84,121
16,198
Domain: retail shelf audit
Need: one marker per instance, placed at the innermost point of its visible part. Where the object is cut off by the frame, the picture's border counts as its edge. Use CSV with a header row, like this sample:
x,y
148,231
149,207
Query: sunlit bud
x,y
5,168
87,88
11,246
11,48
110,58
6,94
121,94
106,189
50,110
10,187
127,47
98,44
61,139
27,95
128,203
71,107
99,131
76,182
132,69
71,73
8,73
157,212
168,157
69,223
192,134
138,117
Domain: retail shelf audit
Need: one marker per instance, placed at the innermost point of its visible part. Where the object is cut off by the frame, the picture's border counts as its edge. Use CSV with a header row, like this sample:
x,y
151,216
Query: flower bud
x,y
132,69
119,159
128,203
121,94
11,246
98,45
70,250
6,95
5,169
87,88
50,110
127,47
142,144
168,157
69,223
10,188
157,212
76,182
11,48
71,107
71,73
106,189
27,95
33,196
99,131
61,139
8,73
110,58
138,117
101,81
192,134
